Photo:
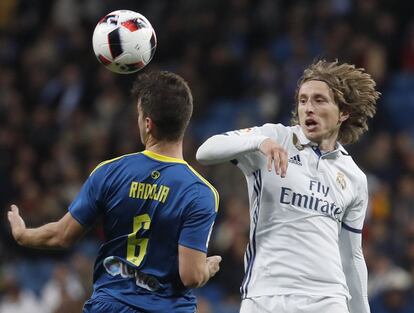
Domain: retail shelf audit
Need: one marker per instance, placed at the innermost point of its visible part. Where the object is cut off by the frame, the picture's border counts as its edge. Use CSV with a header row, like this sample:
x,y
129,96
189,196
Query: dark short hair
x,y
166,98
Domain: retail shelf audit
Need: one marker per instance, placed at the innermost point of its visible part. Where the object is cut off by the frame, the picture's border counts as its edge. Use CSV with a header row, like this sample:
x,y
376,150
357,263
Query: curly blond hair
x,y
354,93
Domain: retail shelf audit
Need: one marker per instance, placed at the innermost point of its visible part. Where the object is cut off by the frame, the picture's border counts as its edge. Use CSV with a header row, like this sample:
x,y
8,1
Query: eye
x,y
302,101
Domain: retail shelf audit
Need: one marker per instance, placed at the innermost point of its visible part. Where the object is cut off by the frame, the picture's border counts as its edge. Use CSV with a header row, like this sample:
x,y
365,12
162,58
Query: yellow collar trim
x,y
162,158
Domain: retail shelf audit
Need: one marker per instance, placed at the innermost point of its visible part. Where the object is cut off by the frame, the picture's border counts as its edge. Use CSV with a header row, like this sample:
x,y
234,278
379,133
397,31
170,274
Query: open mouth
x,y
310,122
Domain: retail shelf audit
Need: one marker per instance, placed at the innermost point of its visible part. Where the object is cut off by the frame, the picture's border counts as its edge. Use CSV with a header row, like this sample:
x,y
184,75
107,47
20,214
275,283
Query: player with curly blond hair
x,y
305,253
352,89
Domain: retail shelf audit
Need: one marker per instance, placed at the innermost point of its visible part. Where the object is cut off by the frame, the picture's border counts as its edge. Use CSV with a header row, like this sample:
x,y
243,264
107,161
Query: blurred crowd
x,y
62,113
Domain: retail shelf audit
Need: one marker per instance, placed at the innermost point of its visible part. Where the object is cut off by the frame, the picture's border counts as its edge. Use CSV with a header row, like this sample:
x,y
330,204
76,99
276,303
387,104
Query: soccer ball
x,y
124,41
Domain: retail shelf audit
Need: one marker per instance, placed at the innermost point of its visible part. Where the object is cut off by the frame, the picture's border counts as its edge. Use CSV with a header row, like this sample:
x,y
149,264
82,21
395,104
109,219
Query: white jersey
x,y
296,220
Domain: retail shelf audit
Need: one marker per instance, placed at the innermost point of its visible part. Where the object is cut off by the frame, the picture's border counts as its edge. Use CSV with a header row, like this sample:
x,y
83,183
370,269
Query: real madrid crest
x,y
296,142
340,179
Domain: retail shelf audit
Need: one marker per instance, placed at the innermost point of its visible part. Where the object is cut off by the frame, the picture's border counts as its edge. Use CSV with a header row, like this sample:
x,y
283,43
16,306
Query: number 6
x,y
135,243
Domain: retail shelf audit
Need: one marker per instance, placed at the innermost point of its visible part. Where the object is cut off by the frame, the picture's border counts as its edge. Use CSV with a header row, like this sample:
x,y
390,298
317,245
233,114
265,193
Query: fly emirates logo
x,y
316,200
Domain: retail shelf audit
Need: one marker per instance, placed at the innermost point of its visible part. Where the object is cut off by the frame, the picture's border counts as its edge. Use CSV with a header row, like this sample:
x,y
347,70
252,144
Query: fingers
x,y
283,163
215,258
214,264
214,261
17,224
14,208
276,154
16,221
276,161
269,162
280,160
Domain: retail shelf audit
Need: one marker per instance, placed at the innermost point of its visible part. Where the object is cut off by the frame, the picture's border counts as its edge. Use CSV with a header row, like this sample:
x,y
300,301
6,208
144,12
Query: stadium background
x,y
61,113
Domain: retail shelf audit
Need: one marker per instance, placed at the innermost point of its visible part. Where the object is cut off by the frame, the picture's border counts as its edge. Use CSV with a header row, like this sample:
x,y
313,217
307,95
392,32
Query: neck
x,y
167,148
327,145
326,148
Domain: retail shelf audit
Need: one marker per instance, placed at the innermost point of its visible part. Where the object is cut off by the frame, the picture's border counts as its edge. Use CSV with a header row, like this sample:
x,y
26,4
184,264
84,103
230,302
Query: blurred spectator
x,y
15,299
63,292
394,297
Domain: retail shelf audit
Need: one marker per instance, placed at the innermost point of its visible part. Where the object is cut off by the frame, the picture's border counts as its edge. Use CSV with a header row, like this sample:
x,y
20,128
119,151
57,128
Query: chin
x,y
312,136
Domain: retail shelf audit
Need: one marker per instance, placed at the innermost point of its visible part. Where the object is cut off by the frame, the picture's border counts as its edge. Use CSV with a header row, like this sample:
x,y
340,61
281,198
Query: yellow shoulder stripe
x,y
111,160
215,193
162,158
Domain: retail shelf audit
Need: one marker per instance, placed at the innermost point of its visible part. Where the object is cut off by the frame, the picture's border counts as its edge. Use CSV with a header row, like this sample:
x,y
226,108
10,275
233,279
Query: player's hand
x,y
17,224
213,264
276,154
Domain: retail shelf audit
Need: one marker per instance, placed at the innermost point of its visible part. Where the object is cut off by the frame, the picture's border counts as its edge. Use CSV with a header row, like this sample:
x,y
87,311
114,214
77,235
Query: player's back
x,y
150,204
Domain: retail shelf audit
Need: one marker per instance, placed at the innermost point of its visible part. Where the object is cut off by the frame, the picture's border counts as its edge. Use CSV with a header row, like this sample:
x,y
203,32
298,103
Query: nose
x,y
309,106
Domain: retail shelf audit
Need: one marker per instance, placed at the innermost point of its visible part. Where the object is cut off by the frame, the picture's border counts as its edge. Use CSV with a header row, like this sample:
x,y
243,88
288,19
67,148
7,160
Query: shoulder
x,y
274,129
269,128
205,190
276,132
114,162
355,173
352,166
279,132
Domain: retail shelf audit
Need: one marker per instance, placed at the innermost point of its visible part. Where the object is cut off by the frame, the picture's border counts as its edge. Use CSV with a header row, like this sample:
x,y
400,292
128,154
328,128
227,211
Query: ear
x,y
149,125
343,116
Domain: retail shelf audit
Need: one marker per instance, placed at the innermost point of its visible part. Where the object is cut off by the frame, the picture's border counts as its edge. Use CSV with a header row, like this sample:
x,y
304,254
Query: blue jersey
x,y
150,204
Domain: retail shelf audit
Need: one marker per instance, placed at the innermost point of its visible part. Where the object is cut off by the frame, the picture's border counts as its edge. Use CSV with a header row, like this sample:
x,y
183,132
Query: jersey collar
x,y
302,141
162,158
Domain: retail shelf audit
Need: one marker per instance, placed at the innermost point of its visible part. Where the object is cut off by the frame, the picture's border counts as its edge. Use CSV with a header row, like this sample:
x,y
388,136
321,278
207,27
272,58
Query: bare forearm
x,y
195,269
60,234
204,277
196,278
48,236
212,266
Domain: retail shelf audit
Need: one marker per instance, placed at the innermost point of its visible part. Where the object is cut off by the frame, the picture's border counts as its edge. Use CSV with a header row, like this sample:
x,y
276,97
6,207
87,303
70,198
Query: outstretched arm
x,y
60,234
355,270
226,147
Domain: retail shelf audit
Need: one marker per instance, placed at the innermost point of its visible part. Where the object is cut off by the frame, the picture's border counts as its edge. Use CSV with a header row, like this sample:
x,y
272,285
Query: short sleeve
x,y
354,216
85,207
198,221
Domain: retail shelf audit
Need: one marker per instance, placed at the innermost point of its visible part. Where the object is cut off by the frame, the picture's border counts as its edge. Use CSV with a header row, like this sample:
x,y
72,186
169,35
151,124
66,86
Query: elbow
x,y
201,156
192,281
205,154
64,241
64,244
192,267
59,242
193,276
20,241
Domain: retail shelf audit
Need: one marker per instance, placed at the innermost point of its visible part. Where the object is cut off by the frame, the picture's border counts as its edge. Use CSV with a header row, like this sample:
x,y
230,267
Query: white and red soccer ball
x,y
124,41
